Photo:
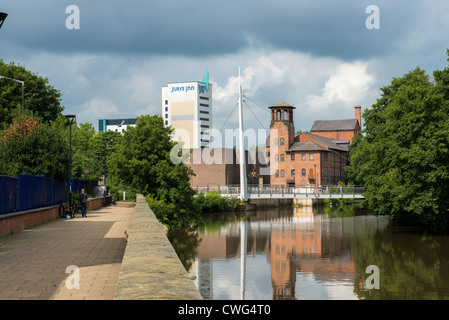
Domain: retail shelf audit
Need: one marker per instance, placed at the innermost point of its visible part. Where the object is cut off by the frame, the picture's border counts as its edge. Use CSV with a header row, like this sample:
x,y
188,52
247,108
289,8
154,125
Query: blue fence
x,y
26,192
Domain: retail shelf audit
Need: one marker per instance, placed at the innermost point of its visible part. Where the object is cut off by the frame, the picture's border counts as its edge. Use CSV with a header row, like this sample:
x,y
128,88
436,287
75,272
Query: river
x,y
312,253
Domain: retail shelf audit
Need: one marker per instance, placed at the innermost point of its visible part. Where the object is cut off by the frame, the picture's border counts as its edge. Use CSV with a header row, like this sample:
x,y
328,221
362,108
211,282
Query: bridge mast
x,y
243,188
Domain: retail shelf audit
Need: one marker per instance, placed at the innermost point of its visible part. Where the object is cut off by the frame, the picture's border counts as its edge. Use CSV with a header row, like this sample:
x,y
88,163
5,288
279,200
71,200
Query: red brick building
x,y
315,158
339,130
221,166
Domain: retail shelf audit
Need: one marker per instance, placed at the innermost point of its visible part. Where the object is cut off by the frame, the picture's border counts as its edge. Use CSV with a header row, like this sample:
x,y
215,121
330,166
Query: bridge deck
x,y
288,192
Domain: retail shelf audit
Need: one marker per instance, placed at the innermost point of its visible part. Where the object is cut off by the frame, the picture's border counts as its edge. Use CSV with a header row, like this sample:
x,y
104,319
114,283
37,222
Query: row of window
x,y
276,141
292,173
292,157
334,172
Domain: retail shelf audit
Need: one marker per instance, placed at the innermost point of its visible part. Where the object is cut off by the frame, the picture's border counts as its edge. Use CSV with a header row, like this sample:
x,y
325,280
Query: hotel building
x,y
187,108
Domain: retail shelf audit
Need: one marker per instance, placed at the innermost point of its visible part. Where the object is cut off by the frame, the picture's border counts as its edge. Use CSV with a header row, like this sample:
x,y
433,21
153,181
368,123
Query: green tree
x,y
402,157
142,161
41,99
88,147
29,147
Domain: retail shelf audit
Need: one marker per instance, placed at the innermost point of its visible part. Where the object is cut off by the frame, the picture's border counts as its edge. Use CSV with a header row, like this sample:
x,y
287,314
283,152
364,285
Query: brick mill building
x,y
315,158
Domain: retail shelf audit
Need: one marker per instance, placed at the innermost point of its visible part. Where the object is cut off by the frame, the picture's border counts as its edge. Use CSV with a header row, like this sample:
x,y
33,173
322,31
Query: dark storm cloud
x,y
199,27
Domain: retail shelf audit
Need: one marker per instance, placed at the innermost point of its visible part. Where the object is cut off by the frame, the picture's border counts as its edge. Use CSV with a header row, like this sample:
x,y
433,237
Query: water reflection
x,y
313,253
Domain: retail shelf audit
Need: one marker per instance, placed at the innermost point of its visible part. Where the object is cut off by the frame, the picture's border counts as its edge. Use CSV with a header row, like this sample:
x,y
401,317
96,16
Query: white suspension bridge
x,y
286,192
245,192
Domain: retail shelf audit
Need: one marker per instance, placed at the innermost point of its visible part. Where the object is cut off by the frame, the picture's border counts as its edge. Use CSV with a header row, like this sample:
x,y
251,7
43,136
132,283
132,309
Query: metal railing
x,y
281,190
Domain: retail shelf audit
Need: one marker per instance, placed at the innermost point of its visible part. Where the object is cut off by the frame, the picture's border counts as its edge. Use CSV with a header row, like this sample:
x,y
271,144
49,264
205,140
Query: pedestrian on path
x,y
83,200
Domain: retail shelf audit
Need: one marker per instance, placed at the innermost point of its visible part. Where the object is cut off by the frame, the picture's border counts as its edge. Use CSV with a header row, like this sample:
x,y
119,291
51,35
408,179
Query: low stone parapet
x,y
151,269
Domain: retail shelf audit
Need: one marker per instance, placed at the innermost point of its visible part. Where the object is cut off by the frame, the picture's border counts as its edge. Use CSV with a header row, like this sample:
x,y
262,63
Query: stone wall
x,y
151,269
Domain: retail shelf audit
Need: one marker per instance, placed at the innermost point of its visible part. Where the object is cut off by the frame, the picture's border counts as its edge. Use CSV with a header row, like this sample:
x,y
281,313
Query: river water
x,y
312,253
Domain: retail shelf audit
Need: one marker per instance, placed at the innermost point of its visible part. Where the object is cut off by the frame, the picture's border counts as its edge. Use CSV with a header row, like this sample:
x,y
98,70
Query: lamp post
x,y
105,139
23,90
70,118
2,18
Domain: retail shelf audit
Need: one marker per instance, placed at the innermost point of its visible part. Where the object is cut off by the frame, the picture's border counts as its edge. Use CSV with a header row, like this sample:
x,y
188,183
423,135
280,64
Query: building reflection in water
x,y
297,242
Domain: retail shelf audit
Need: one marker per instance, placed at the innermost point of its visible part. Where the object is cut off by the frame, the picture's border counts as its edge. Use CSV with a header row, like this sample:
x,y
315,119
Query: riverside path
x,y
66,259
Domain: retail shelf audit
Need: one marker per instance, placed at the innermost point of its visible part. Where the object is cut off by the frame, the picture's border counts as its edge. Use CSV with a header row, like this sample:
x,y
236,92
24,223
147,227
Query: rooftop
x,y
334,125
282,104
317,145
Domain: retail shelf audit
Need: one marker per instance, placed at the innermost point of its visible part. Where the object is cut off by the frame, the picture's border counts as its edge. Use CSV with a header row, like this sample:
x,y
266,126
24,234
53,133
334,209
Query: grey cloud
x,y
202,28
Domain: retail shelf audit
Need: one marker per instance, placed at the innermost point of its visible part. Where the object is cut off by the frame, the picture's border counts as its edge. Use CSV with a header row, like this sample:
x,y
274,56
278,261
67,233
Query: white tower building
x,y
187,107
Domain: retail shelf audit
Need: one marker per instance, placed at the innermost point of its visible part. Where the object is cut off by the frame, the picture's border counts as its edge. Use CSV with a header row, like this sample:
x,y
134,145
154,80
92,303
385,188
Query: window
x,y
292,157
204,98
282,141
303,172
278,115
166,102
276,157
311,156
282,173
166,116
303,156
204,112
276,141
166,109
282,157
204,119
277,174
293,173
204,105
166,123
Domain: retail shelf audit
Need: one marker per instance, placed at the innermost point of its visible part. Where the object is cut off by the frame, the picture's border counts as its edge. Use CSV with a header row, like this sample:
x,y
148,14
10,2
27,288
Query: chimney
x,y
358,115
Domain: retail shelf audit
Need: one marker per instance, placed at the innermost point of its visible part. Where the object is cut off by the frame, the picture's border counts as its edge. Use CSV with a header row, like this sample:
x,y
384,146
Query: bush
x,y
213,202
171,214
117,192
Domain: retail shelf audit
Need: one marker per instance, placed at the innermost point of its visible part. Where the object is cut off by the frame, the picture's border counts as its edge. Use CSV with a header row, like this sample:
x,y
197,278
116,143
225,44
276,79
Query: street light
x,y
23,90
105,139
2,18
70,118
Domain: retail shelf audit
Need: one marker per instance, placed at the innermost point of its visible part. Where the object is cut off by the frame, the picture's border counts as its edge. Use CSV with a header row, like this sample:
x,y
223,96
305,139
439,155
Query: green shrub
x,y
214,202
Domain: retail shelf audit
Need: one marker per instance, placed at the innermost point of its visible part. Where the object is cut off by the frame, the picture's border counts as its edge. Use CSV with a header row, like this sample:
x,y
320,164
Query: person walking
x,y
83,200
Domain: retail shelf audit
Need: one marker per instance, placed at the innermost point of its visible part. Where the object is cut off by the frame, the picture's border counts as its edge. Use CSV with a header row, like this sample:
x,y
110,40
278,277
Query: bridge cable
x,y
228,117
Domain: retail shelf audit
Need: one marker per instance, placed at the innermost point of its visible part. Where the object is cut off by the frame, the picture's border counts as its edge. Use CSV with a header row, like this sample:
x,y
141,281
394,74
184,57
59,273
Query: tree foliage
x,y
142,161
41,99
28,146
88,147
402,158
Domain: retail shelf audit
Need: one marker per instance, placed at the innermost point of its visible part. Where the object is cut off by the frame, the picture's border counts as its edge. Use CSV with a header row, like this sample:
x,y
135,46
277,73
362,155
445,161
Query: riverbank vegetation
x,y
214,202
402,155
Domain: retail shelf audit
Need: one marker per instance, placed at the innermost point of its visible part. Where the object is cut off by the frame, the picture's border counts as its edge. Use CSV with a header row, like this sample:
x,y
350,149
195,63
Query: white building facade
x,y
117,125
187,108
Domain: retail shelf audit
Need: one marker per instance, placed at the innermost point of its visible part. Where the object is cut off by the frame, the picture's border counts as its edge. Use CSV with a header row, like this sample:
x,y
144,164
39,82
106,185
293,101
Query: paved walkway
x,y
33,263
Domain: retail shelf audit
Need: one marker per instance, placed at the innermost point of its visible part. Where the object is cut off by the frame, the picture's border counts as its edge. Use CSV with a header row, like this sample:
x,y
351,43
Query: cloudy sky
x,y
319,56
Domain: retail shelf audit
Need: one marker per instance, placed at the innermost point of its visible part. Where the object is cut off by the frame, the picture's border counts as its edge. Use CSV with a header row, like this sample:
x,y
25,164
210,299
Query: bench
x,y
67,211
